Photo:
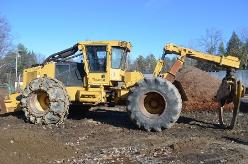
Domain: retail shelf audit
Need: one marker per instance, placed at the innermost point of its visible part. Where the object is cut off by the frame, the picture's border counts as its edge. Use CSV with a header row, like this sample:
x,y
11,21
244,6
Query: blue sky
x,y
48,26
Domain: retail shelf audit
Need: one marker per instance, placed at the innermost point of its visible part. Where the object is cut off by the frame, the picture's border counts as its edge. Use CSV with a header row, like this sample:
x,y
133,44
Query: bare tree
x,y
4,36
40,58
243,34
211,40
210,43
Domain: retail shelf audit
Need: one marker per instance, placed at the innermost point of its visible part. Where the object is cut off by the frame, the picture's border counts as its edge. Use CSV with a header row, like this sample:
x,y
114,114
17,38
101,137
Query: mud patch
x,y
27,146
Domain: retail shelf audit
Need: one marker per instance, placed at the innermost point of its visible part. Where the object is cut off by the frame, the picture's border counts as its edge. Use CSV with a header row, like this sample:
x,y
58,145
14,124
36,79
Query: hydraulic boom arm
x,y
225,61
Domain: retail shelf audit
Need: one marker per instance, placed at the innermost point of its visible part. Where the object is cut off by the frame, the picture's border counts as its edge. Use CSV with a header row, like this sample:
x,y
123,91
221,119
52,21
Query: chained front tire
x,y
45,101
154,104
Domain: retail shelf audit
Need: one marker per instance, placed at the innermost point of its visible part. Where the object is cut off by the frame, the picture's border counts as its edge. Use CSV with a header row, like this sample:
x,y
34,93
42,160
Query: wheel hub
x,y
152,104
39,102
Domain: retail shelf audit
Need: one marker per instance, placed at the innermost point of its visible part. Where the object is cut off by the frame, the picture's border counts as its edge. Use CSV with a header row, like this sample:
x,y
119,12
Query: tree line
x,y
147,64
211,42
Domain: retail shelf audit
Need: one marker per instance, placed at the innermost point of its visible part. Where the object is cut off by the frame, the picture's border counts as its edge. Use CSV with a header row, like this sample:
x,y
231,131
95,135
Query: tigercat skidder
x,y
94,72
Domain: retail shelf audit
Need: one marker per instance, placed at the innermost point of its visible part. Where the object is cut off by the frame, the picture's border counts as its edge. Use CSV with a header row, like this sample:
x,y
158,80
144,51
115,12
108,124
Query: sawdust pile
x,y
200,89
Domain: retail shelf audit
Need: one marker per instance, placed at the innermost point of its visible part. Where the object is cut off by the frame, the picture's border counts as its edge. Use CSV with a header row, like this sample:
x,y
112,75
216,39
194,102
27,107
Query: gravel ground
x,y
107,136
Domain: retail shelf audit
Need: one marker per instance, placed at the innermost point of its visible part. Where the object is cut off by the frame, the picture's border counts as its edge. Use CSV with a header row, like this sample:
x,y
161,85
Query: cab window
x,y
97,56
119,57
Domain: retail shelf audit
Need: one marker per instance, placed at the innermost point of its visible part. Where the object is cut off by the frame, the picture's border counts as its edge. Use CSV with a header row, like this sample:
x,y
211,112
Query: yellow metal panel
x,y
98,79
11,103
122,94
48,70
116,74
90,95
28,75
130,78
32,73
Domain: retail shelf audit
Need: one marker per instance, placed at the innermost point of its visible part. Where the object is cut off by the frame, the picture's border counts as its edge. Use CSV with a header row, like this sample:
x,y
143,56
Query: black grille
x,y
71,74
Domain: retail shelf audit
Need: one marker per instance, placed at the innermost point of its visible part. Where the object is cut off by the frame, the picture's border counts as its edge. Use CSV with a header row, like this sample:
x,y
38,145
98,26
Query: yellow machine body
x,y
98,87
93,90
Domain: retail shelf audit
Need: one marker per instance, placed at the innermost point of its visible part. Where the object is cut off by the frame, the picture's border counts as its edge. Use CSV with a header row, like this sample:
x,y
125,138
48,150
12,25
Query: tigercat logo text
x,y
88,96
94,79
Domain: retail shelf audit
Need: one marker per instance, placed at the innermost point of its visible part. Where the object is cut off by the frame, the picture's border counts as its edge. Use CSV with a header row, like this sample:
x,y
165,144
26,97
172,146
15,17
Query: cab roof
x,y
113,43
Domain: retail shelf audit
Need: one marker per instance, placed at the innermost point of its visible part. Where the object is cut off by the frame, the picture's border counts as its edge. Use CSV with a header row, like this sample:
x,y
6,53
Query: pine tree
x,y
221,49
26,58
150,63
234,45
140,64
234,48
244,50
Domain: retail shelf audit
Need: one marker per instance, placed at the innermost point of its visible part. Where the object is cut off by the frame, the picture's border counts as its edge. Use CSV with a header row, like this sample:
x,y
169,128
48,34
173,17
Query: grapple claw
x,y
229,92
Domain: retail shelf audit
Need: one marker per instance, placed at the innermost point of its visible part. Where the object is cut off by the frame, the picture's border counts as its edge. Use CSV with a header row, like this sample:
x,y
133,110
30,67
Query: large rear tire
x,y
45,101
154,104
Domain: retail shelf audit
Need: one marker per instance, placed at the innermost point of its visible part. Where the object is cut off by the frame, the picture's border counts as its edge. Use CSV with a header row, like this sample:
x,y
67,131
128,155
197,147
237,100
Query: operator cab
x,y
105,61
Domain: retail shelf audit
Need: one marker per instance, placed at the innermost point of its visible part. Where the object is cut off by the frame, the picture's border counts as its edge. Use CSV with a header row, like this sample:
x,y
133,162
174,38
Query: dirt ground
x,y
107,136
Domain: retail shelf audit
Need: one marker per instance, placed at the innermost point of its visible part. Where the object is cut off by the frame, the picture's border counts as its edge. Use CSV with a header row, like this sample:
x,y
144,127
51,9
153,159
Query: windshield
x,y
97,56
119,56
